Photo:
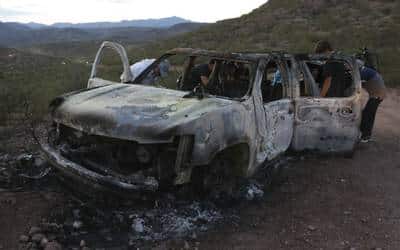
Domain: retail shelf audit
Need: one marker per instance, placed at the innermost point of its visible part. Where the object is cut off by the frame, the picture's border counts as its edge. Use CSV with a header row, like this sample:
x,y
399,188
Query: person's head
x,y
323,47
211,64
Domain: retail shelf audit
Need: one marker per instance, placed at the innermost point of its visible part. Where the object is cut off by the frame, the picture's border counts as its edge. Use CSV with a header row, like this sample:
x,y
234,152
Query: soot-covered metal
x,y
132,137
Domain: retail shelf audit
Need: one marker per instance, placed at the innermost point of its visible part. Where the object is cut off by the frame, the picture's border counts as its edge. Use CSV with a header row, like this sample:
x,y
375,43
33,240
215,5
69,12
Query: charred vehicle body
x,y
134,137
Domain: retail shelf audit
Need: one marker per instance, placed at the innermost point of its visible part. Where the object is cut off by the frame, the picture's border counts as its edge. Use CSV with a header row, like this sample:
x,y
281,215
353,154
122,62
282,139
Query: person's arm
x,y
204,80
327,73
205,75
325,87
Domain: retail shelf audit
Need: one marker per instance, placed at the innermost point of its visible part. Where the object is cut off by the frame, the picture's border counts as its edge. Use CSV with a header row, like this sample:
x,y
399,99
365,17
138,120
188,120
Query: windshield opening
x,y
220,77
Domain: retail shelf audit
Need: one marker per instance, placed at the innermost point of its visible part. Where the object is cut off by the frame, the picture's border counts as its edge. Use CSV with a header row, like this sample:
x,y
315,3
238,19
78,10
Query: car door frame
x,y
126,76
275,119
328,125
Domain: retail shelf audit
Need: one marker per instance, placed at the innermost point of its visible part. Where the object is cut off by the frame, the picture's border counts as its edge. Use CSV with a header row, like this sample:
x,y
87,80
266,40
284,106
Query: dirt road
x,y
325,203
329,203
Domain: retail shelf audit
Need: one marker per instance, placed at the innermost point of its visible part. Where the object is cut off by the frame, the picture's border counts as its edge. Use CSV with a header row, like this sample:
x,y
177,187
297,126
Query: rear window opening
x,y
314,73
223,77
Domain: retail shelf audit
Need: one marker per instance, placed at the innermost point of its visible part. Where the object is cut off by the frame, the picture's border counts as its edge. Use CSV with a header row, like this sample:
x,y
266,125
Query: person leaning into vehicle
x,y
374,84
333,72
200,74
161,70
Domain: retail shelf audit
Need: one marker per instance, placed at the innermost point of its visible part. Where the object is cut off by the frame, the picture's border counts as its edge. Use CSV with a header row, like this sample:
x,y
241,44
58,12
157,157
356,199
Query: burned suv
x,y
132,136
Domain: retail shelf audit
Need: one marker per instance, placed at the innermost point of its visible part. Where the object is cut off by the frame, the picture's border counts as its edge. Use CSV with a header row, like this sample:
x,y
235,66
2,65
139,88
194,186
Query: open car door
x,y
327,124
276,117
126,76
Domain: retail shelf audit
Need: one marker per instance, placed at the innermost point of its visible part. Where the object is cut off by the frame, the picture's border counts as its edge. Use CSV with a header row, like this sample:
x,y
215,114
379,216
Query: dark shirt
x,y
316,72
235,88
367,73
195,76
337,71
198,71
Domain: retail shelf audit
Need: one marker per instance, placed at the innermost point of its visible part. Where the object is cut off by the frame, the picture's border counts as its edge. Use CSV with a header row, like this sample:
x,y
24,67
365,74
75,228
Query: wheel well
x,y
237,156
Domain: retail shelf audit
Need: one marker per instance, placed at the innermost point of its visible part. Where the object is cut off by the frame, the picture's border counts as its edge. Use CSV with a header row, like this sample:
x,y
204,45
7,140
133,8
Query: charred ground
x,y
324,202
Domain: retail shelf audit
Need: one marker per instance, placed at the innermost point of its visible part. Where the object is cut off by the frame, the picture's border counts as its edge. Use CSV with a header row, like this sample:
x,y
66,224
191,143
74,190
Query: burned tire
x,y
224,176
273,174
219,181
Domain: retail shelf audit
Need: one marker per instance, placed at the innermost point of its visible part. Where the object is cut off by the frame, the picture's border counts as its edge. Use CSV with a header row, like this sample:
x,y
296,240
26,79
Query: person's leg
x,y
368,117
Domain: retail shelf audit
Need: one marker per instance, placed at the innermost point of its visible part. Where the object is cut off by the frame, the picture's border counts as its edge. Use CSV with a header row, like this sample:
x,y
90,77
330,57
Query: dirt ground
x,y
324,203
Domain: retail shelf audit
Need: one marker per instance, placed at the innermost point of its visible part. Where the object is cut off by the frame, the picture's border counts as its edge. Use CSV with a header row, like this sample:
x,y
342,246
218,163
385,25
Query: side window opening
x,y
226,78
234,79
178,66
272,84
349,83
185,78
230,79
310,74
315,72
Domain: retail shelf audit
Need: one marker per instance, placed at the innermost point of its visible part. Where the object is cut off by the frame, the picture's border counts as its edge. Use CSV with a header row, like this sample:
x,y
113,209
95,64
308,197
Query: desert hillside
x,y
40,72
295,26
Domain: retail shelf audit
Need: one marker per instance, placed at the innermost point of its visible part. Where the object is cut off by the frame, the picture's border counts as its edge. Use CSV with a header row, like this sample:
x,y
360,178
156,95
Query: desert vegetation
x,y
35,74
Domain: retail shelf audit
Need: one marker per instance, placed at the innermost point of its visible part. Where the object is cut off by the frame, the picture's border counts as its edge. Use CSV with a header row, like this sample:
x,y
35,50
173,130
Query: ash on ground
x,y
25,171
138,227
90,224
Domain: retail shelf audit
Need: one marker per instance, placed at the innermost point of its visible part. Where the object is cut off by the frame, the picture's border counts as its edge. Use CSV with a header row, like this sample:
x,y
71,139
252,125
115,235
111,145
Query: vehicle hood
x,y
132,112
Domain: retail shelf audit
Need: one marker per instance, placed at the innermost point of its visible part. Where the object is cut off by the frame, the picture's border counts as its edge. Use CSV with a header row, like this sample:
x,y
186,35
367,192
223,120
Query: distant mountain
x,y
146,23
13,34
17,35
34,25
12,27
143,23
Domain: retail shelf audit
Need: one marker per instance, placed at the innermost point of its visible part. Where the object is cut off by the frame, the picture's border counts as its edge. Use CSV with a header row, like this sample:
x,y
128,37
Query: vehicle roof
x,y
241,56
217,54
254,56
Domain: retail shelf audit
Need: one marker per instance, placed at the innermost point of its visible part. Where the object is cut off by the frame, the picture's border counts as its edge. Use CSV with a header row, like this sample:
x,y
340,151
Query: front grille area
x,y
114,157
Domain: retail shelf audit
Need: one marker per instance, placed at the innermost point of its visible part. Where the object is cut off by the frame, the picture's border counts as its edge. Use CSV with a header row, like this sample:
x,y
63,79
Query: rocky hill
x,y
296,25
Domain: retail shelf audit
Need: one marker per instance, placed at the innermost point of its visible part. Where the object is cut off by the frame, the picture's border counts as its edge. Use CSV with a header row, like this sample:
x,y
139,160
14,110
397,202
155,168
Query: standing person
x,y
161,70
374,84
333,72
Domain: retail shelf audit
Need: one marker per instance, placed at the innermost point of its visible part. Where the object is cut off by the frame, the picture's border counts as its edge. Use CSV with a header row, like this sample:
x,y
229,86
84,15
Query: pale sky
x,y
78,11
